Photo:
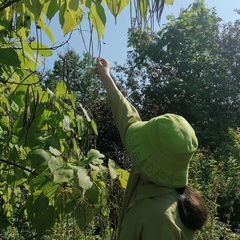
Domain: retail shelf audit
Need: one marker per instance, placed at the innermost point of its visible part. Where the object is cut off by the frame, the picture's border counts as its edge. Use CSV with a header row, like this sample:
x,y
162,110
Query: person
x,y
158,203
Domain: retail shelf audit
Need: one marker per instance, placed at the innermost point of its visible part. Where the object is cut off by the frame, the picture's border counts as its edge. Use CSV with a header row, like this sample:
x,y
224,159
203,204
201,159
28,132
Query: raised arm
x,y
123,112
103,70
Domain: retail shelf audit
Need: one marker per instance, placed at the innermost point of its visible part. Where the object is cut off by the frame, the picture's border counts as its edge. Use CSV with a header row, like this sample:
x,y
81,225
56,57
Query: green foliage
x,y
216,175
46,161
187,68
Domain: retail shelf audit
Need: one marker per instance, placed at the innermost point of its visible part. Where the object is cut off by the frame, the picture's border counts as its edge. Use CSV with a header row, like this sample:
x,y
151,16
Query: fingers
x,y
102,61
102,66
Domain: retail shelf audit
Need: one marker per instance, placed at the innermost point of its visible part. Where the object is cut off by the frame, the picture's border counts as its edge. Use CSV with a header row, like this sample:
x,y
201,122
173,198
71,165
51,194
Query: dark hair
x,y
192,208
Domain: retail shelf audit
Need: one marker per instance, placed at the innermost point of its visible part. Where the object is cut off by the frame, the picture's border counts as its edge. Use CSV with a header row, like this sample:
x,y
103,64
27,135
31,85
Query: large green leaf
x,y
94,155
61,89
52,9
93,194
83,215
38,157
98,18
116,6
35,7
10,57
73,4
40,213
84,180
44,183
70,16
54,163
63,175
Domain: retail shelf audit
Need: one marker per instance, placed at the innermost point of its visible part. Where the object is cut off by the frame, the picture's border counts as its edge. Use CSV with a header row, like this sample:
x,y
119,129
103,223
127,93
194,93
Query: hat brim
x,y
159,169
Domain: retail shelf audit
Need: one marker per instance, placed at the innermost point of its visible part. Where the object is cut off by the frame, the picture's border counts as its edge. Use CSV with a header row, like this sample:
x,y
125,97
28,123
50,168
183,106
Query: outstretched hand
x,y
102,69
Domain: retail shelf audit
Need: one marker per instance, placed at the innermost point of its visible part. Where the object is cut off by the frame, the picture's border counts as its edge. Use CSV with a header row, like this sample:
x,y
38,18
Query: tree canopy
x,y
190,67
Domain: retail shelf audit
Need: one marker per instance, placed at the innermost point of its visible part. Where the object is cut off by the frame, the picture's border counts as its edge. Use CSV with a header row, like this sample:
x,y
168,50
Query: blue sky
x,y
115,37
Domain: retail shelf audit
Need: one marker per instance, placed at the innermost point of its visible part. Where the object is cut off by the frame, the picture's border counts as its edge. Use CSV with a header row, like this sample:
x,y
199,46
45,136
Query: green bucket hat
x,y
162,149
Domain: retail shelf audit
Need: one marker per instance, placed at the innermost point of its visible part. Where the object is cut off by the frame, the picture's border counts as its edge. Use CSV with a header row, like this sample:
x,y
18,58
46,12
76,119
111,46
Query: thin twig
x,y
18,166
7,4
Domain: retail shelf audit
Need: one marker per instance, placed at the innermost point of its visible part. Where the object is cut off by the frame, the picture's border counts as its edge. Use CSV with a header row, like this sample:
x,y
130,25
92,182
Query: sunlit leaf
x,y
94,155
14,106
54,163
61,88
71,19
116,6
63,175
41,49
54,151
84,180
98,18
66,124
94,126
123,177
85,113
112,168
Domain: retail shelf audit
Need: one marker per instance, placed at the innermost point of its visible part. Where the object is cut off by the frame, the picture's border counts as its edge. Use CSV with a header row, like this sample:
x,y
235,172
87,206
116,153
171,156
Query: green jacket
x,y
149,211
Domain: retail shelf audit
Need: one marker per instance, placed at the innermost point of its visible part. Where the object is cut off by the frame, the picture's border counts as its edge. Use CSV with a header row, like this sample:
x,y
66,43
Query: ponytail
x,y
192,208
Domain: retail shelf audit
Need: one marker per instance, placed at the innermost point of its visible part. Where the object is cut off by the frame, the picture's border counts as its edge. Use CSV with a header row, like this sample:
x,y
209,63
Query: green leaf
x,y
54,151
61,89
94,155
38,157
14,107
93,195
85,113
86,3
54,163
45,184
98,18
63,175
112,168
73,4
66,124
35,7
84,180
80,216
94,126
41,49
53,7
70,19
10,57
116,6
83,215
123,177
41,204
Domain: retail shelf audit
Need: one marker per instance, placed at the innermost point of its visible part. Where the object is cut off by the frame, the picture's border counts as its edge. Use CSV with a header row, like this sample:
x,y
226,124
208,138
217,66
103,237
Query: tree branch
x,y
18,166
7,4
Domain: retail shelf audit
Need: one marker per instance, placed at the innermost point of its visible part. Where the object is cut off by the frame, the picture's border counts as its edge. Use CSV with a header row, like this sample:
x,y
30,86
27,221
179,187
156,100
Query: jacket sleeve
x,y
123,112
